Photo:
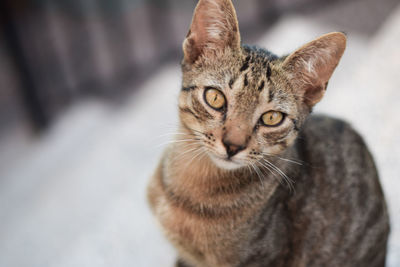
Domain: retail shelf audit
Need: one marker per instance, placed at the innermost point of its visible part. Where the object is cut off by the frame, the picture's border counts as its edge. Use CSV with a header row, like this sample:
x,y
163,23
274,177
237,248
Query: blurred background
x,y
88,94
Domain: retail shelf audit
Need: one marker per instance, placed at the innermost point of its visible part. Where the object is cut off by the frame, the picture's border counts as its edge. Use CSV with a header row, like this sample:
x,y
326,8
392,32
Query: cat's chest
x,y
207,241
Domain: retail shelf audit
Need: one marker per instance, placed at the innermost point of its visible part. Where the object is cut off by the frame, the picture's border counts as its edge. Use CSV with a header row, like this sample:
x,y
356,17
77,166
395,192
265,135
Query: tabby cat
x,y
251,179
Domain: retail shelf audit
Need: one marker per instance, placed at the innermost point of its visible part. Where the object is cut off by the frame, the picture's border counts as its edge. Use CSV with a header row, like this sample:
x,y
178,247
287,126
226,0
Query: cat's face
x,y
241,103
240,108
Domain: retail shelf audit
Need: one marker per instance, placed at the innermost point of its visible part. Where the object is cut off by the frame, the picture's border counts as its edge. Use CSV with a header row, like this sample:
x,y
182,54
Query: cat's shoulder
x,y
329,132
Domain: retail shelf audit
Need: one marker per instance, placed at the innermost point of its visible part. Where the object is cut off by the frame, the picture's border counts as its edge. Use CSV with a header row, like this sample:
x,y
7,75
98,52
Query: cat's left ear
x,y
311,66
214,28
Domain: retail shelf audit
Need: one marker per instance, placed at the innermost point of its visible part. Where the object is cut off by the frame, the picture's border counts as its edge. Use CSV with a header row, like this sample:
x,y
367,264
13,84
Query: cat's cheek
x,y
189,120
274,150
291,139
279,147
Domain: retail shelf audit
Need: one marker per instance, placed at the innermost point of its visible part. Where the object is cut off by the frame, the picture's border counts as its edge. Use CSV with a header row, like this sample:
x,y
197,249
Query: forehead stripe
x,y
246,80
268,72
261,87
271,94
231,83
245,64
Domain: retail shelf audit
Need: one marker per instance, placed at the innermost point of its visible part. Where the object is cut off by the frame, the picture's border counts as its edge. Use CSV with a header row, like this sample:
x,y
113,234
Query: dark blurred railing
x,y
63,50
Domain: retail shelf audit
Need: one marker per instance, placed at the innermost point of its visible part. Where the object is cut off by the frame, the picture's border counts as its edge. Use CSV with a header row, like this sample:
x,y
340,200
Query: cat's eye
x,y
214,98
272,118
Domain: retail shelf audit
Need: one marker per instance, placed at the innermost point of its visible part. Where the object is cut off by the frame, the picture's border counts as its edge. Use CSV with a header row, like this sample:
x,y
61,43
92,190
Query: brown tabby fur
x,y
302,193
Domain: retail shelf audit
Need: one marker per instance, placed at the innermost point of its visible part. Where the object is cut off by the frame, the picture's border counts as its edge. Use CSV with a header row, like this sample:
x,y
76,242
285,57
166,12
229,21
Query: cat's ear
x,y
311,66
214,28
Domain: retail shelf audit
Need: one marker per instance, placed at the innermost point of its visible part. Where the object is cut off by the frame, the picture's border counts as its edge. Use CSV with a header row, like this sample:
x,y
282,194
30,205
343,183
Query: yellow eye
x,y
272,118
214,98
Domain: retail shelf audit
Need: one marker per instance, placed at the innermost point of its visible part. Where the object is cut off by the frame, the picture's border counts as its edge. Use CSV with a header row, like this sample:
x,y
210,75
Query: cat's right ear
x,y
214,28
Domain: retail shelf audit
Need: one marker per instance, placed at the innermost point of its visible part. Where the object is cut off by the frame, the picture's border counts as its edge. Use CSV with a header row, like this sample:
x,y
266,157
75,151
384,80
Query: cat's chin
x,y
225,163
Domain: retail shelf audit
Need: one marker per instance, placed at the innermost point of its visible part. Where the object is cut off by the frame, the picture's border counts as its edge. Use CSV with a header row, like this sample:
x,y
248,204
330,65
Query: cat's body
x,y
330,220
249,180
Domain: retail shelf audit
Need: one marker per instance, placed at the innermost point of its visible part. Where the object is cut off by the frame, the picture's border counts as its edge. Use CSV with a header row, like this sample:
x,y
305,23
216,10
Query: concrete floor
x,y
76,196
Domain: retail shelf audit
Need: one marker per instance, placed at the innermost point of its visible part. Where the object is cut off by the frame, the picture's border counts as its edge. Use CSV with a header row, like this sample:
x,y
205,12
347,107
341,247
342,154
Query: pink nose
x,y
235,137
232,149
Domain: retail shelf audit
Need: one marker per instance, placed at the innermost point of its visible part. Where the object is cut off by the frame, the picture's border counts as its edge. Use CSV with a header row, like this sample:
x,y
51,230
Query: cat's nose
x,y
232,149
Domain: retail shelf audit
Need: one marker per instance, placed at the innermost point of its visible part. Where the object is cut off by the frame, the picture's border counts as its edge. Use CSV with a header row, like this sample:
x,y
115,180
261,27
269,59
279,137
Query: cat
x,y
251,179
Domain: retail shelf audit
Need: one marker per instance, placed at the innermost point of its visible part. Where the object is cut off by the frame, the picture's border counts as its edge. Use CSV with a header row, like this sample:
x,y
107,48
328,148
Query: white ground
x,y
76,197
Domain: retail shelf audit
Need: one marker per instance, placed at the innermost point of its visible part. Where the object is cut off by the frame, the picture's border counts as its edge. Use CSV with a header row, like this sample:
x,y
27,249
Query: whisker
x,y
248,167
181,155
290,160
288,180
187,153
196,131
201,151
295,161
257,171
175,133
276,168
278,178
177,141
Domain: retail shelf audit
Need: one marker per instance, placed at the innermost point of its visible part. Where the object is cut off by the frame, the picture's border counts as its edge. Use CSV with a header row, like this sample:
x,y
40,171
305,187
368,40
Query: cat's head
x,y
243,103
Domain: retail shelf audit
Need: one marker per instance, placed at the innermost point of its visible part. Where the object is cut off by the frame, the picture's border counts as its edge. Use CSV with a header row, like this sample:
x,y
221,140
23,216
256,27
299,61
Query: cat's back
x,y
325,131
335,156
332,147
339,200
335,145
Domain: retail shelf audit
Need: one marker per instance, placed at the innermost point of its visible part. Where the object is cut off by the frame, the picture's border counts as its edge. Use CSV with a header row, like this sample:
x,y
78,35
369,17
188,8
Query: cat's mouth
x,y
227,163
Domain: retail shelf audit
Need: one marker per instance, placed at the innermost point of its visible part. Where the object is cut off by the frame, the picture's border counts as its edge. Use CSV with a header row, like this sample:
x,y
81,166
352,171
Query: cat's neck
x,y
189,168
